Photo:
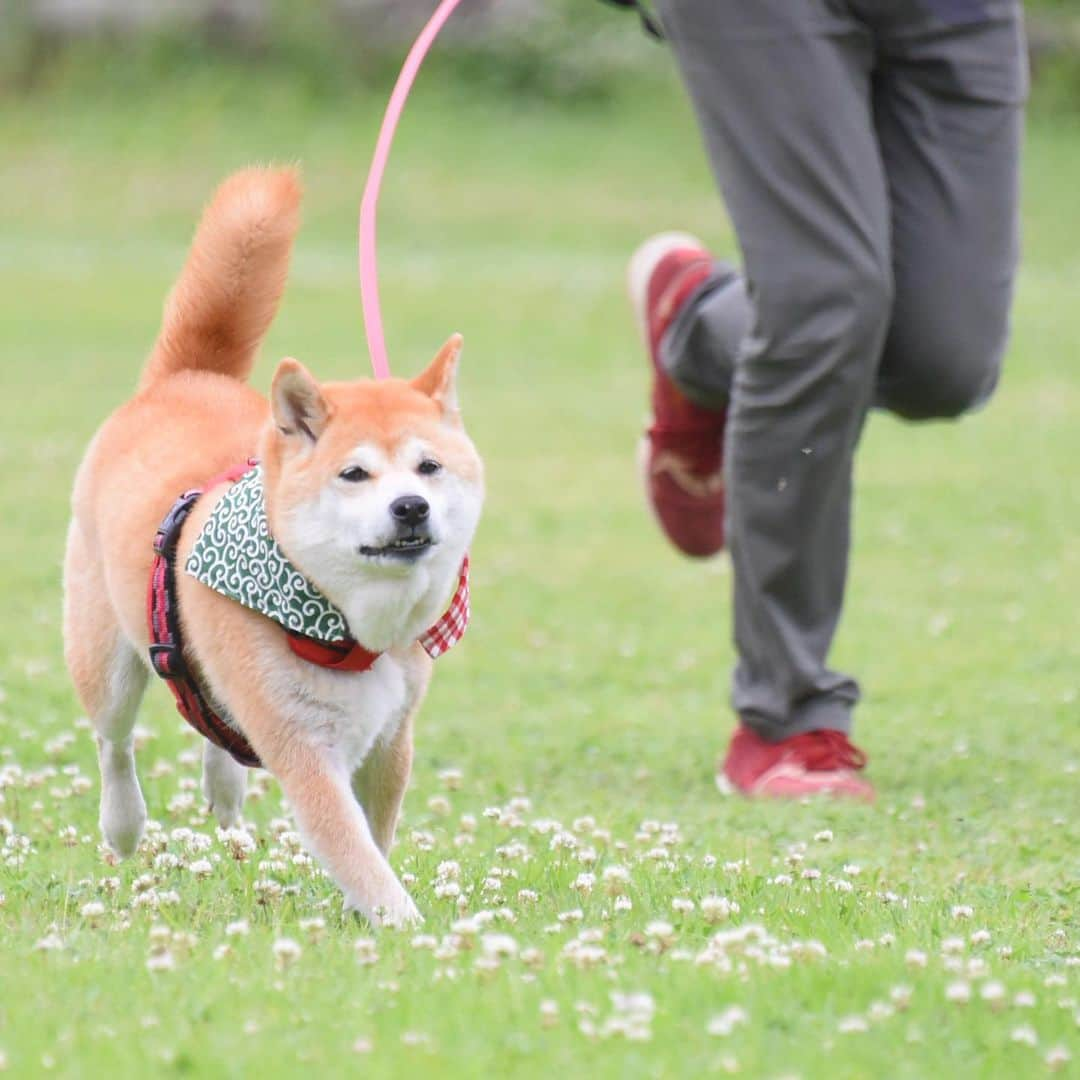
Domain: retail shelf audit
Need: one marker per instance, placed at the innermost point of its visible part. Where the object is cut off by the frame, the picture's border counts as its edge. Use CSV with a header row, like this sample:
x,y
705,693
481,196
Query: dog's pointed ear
x,y
299,408
439,381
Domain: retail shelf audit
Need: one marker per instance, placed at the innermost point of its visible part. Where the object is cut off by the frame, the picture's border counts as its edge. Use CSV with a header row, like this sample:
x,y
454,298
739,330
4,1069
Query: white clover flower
x,y
717,909
549,1013
584,883
240,928
450,778
498,945
900,996
959,992
366,951
314,927
623,904
993,993
466,929
850,1025
160,960
980,937
660,931
286,952
725,1023
952,945
824,837
1025,1035
93,910
879,1011
682,905
1057,1057
51,942
977,968
615,879
440,805
238,842
222,952
201,868
962,911
1025,999
583,955
527,896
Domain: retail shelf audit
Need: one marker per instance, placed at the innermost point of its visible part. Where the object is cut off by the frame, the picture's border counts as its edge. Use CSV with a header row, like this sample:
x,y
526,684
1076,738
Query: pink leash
x,y
369,270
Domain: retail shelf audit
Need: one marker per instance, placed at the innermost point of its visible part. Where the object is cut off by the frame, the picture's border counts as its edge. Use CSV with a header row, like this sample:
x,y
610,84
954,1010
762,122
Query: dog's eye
x,y
354,474
428,467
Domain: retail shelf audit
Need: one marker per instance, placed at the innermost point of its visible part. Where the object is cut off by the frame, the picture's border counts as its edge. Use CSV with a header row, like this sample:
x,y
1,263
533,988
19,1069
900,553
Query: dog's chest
x,y
350,712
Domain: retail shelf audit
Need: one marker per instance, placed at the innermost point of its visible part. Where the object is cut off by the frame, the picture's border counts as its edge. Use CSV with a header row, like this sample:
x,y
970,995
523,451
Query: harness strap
x,y
166,644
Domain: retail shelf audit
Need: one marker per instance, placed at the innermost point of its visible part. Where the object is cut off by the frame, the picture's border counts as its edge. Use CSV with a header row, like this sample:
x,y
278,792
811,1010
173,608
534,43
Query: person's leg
x,y
783,96
949,112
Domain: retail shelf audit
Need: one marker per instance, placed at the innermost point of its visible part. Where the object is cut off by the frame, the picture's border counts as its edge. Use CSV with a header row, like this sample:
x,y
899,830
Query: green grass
x,y
594,680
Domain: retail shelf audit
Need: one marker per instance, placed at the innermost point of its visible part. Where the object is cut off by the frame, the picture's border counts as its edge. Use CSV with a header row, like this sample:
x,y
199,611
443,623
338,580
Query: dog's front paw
x,y
123,814
224,784
400,913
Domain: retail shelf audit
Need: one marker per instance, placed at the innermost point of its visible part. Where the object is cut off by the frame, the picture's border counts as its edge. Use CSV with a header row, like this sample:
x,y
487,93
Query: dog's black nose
x,y
410,510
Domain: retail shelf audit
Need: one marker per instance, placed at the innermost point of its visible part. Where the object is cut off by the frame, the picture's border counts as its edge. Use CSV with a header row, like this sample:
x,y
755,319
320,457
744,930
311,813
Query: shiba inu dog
x,y
371,490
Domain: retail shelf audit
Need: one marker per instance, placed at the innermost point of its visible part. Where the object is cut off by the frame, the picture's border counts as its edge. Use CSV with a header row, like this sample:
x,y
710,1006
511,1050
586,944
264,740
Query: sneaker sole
x,y
638,274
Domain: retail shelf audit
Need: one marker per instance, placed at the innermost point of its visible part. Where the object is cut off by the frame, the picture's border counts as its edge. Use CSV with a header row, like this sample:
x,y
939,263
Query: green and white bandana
x,y
235,555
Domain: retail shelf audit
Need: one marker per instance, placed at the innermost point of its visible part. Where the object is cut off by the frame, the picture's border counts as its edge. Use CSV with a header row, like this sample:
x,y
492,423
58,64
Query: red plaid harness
x,y
167,649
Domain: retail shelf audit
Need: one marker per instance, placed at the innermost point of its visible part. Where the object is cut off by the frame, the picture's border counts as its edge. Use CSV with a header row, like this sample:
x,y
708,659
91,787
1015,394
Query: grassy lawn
x,y
593,906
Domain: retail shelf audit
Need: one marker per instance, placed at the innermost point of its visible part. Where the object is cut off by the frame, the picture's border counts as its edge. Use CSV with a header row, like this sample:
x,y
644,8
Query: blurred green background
x,y
555,49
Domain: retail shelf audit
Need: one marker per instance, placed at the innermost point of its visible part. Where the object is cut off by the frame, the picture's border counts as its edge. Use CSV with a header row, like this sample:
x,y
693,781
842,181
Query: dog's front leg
x,y
334,826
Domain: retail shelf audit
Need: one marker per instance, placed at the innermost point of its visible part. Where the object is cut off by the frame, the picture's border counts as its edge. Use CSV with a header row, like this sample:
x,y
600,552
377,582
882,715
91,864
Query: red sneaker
x,y
815,763
682,451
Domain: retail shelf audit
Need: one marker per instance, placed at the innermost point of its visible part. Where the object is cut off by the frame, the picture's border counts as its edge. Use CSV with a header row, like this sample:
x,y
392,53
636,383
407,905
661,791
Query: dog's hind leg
x,y
109,678
224,782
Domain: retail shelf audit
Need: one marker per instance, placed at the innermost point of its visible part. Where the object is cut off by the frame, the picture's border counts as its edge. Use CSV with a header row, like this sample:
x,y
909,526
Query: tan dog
x,y
335,459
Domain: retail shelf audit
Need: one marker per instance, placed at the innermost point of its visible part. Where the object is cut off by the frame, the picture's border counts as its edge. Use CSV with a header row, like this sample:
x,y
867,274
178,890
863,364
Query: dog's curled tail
x,y
229,290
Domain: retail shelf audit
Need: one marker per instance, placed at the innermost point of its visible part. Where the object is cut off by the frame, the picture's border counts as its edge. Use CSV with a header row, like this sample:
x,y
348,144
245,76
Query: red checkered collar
x,y
236,555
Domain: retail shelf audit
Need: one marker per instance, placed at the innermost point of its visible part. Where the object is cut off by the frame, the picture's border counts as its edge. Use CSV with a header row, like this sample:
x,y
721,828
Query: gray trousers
x,y
868,152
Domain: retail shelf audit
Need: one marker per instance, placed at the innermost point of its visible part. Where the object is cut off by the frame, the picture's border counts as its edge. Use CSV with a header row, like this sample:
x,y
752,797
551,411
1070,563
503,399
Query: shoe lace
x,y
826,751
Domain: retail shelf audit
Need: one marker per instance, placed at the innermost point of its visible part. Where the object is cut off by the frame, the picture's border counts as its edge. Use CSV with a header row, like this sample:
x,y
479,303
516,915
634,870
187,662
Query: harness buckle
x,y
169,532
167,661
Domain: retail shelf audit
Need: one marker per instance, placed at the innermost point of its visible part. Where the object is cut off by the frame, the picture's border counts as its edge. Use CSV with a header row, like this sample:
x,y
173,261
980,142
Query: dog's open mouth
x,y
407,547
